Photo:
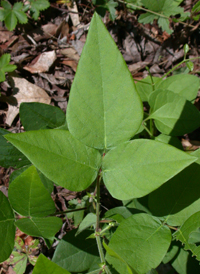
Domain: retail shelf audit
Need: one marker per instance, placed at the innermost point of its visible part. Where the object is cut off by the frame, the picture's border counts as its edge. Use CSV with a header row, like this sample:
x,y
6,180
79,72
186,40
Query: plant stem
x,y
153,88
149,132
98,202
182,62
97,233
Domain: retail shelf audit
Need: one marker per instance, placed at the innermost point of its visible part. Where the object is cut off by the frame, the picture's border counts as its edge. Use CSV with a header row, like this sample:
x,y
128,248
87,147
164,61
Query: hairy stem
x,y
97,232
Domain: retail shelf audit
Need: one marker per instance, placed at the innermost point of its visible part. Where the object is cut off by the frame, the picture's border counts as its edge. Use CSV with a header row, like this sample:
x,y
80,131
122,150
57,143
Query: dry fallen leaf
x,y
24,91
71,63
42,63
74,15
70,53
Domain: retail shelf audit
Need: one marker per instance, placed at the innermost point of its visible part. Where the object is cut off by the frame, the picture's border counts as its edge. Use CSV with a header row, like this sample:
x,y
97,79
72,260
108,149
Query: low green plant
x,y
102,143
5,66
12,15
22,254
163,11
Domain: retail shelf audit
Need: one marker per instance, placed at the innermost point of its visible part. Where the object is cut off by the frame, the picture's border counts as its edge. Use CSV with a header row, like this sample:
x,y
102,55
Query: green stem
x,y
153,88
97,232
149,132
182,62
98,203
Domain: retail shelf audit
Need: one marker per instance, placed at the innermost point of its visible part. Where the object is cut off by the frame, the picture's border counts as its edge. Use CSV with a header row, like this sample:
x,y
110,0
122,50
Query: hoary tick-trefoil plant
x,y
102,143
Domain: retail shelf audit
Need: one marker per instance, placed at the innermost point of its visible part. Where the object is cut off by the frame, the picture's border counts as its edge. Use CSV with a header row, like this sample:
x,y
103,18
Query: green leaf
x,y
20,266
165,8
35,12
7,228
111,5
164,24
89,220
144,87
196,7
13,15
172,252
184,263
5,66
190,66
29,197
6,5
11,21
77,216
45,227
16,173
40,4
40,116
76,254
136,168
183,191
44,265
4,60
194,237
112,253
37,6
146,18
60,157
10,156
122,210
152,271
141,247
171,140
173,114
186,49
48,184
93,114
184,232
186,86
19,13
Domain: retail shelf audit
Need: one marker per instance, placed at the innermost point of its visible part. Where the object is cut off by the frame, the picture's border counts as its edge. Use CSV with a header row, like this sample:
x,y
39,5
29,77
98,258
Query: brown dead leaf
x,y
74,15
5,35
45,32
70,53
71,63
29,240
42,63
24,91
137,66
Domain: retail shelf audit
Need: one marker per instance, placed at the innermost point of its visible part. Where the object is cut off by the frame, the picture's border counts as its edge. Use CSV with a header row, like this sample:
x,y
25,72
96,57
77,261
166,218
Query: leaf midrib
x,y
52,153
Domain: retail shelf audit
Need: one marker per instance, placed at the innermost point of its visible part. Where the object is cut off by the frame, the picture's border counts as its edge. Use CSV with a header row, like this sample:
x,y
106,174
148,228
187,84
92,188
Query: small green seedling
x,y
12,15
5,66
23,254
108,141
